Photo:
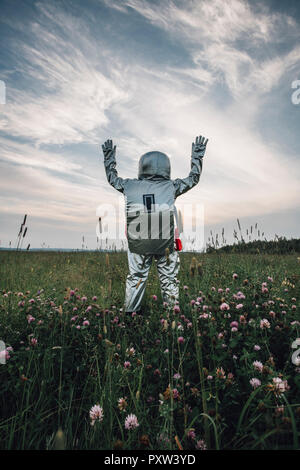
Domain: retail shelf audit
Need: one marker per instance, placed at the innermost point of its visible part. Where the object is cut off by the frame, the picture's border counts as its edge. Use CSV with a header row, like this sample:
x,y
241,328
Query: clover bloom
x,y
131,422
264,323
258,366
255,383
96,414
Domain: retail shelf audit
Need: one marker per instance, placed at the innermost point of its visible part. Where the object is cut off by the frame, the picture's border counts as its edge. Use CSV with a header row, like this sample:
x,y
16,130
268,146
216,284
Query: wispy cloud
x,y
71,91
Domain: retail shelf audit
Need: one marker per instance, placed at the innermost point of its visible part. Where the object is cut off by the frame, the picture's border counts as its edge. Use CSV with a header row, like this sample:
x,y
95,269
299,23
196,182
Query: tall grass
x,y
48,389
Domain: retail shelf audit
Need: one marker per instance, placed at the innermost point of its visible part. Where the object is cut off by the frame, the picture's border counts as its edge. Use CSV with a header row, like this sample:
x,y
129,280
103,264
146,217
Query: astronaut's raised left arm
x,y
109,152
185,184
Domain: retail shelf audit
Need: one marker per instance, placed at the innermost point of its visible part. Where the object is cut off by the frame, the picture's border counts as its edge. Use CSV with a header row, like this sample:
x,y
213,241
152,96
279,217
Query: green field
x,y
193,379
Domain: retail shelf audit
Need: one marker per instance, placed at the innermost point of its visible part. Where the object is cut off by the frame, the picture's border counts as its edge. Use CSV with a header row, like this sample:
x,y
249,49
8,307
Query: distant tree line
x,y
280,245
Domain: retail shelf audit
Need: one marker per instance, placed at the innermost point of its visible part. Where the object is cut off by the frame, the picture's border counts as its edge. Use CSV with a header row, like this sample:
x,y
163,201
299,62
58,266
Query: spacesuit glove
x,y
108,149
199,147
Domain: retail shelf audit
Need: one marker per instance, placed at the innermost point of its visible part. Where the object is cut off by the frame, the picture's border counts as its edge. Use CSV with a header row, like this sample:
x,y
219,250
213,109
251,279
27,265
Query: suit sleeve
x,y
183,185
111,173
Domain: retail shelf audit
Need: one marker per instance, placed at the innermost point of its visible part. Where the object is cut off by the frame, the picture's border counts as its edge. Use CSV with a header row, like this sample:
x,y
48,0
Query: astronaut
x,y
150,213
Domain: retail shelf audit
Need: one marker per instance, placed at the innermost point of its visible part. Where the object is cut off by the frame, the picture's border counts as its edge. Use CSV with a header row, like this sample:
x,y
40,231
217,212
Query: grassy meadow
x,y
214,373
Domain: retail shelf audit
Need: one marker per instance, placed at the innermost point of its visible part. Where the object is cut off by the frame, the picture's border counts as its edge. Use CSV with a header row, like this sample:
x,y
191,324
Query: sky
x,y
151,75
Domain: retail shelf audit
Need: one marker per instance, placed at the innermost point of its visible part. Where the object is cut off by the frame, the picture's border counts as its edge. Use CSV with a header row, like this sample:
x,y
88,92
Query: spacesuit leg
x,y
139,266
167,277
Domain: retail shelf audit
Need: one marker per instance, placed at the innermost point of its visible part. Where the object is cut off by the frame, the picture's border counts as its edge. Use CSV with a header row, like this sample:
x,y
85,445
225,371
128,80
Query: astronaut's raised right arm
x,y
182,185
109,152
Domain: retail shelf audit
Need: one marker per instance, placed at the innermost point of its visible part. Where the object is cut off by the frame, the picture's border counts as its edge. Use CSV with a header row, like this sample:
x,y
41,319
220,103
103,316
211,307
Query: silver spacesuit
x,y
150,212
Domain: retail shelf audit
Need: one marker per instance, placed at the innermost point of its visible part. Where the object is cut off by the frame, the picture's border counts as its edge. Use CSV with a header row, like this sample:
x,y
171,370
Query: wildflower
x,y
131,422
130,351
234,324
220,373
94,298
256,347
122,404
264,323
209,377
191,434
30,318
234,276
86,323
255,383
224,306
239,306
279,386
234,329
96,413
154,297
258,366
230,377
33,341
175,393
31,301
200,445
127,364
176,309
84,299
181,340
177,376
